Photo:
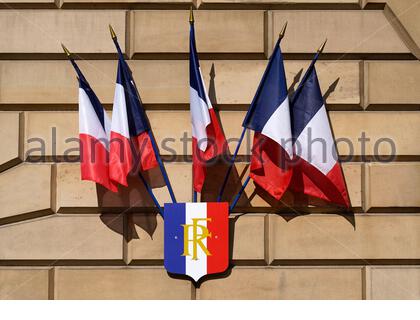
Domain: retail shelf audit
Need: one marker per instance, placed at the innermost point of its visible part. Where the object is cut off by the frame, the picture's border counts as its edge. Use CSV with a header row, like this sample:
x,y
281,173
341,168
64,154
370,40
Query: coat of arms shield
x,y
196,238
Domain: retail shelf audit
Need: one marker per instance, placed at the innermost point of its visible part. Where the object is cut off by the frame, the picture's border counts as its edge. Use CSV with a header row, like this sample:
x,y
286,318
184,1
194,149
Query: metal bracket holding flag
x,y
196,234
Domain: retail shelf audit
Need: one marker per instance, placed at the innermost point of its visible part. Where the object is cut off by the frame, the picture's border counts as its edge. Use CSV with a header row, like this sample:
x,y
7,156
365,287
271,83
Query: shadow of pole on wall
x,y
295,81
217,168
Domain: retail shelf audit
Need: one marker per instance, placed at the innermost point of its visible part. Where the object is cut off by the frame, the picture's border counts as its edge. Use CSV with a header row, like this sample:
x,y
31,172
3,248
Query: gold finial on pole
x,y
111,30
67,52
322,46
283,31
191,15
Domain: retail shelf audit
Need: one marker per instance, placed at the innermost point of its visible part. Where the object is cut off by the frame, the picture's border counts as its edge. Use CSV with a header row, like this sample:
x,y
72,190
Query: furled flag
x,y
130,140
94,131
208,140
317,171
269,117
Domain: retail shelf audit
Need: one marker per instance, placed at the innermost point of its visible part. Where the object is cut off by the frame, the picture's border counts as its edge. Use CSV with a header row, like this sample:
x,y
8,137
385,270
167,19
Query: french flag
x,y
212,218
208,140
94,132
317,171
130,140
269,117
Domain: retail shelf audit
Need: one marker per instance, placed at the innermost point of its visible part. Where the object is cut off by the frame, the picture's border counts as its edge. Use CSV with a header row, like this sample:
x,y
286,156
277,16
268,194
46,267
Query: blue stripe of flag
x,y
195,77
271,92
174,237
137,119
306,102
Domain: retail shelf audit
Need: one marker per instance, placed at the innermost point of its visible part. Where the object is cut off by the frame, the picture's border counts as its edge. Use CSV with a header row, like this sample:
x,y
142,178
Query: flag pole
x,y
319,51
238,196
70,57
191,20
162,167
233,158
305,76
152,138
231,162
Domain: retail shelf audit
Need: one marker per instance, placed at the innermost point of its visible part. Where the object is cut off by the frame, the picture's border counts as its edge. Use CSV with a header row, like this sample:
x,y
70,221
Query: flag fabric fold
x,y
130,145
317,171
269,117
94,133
208,140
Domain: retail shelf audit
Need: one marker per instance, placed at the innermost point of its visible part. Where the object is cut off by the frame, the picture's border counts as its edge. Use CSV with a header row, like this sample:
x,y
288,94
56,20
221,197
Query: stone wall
x,y
62,238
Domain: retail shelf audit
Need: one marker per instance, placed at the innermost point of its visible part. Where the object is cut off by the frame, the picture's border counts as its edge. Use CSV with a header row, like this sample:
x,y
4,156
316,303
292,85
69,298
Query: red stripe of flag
x,y
94,162
218,243
120,158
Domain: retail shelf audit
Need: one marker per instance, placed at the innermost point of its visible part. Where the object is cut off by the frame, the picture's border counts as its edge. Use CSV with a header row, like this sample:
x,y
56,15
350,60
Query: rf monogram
x,y
197,238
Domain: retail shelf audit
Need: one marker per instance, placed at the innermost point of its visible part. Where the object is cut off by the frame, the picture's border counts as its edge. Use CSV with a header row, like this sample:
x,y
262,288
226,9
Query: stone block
x,y
64,237
25,189
332,237
393,185
10,131
41,31
395,283
23,283
370,32
168,31
392,83
119,283
286,283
